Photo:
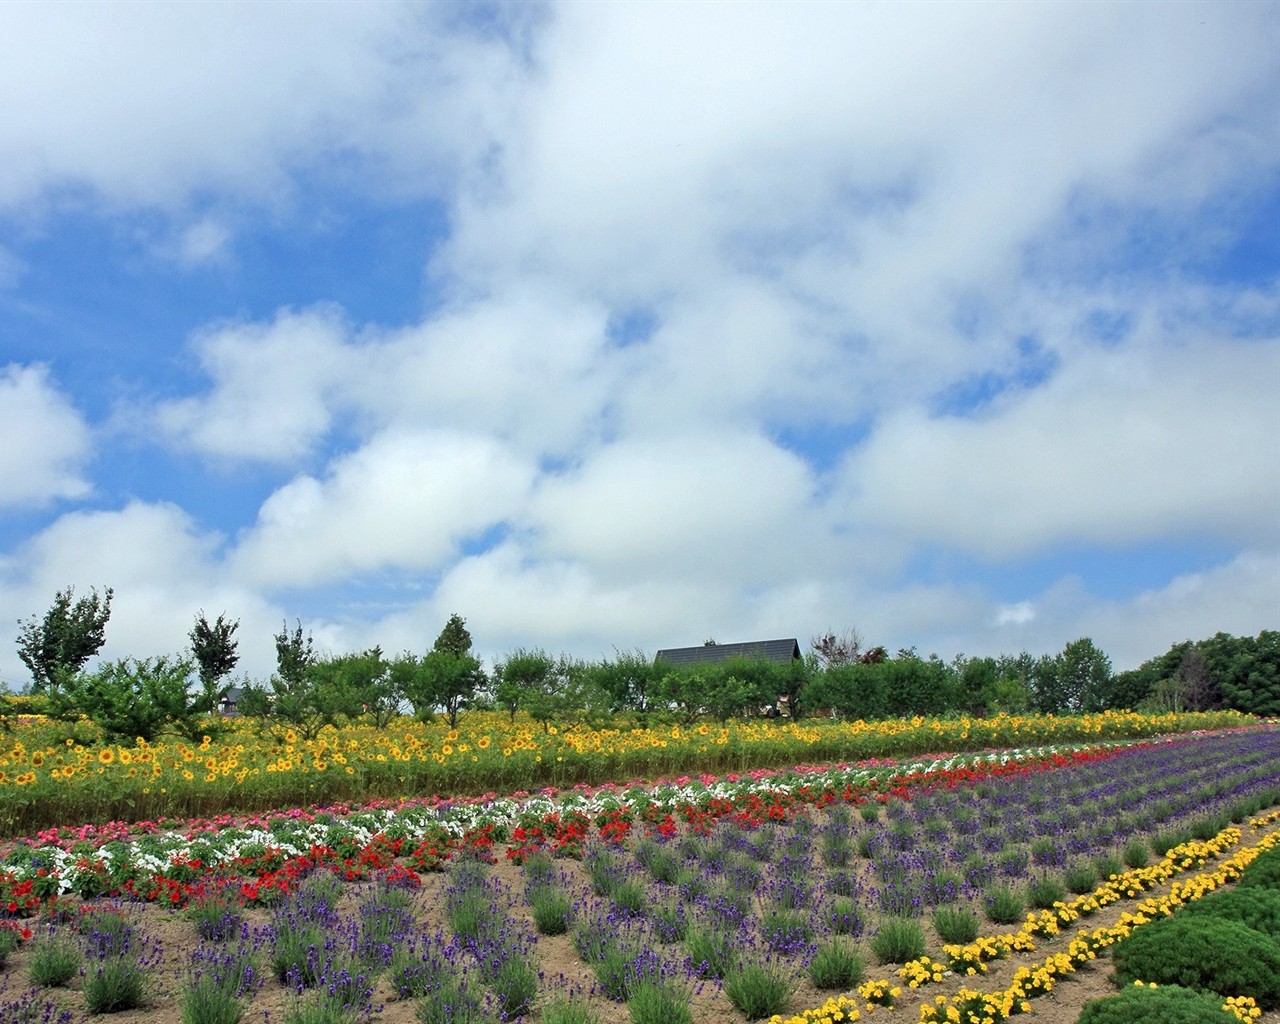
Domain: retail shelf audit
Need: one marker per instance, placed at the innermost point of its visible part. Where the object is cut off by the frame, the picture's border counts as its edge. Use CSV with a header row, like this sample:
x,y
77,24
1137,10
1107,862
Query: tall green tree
x,y
454,638
214,648
71,632
296,698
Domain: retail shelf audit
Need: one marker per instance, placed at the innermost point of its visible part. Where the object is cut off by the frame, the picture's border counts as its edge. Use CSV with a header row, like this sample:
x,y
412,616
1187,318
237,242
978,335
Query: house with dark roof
x,y
783,652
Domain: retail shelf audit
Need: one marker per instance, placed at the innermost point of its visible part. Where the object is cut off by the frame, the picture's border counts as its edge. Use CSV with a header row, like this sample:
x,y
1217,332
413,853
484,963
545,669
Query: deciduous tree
x,y
71,632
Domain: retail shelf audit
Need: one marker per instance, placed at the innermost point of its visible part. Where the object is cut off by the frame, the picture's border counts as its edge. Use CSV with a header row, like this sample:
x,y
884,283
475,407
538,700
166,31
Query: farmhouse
x,y
784,652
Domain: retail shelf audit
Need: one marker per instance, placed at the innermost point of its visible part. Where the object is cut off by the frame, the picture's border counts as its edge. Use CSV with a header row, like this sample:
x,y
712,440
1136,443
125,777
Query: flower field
x,y
920,889
52,773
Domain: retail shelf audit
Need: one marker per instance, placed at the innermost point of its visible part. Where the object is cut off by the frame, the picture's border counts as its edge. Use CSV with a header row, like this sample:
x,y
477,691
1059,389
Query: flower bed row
x,y
971,1006
267,855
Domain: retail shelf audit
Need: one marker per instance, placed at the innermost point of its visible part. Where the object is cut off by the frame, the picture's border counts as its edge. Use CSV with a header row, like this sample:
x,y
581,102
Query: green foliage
x,y
1080,879
446,681
71,632
307,692
836,965
133,697
1044,892
759,990
1252,906
1002,905
213,647
1135,854
1203,953
657,1002
114,985
898,941
55,960
565,1010
1220,671
1165,1004
1264,871
955,925
454,638
354,685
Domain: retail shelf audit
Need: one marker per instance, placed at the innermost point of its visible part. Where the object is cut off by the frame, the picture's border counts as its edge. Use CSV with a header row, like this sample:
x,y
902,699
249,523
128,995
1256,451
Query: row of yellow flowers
x,y
60,772
971,1006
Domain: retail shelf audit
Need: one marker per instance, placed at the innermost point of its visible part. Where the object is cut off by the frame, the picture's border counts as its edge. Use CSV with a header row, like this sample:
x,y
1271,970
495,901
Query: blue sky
x,y
619,326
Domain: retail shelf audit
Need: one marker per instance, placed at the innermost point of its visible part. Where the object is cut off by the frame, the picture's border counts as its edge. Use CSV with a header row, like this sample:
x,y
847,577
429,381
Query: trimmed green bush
x,y
1254,907
1202,953
1167,1004
1264,871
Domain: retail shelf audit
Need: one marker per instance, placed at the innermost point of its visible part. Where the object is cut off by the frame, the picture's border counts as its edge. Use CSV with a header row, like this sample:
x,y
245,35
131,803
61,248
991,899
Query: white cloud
x,y
1119,446
163,570
404,500
146,104
205,241
46,440
674,505
273,388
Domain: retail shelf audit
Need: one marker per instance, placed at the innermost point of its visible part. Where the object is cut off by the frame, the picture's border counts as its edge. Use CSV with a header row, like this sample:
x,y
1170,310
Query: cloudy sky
x,y
614,325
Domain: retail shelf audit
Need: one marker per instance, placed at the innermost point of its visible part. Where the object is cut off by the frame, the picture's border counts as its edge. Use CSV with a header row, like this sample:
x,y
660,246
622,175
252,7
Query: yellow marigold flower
x,y
483,743
446,750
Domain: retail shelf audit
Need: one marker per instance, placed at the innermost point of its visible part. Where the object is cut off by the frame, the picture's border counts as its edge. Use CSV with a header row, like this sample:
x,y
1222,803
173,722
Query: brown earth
x,y
564,971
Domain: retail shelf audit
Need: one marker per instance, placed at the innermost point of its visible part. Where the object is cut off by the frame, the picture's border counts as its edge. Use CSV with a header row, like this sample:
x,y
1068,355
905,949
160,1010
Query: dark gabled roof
x,y
782,651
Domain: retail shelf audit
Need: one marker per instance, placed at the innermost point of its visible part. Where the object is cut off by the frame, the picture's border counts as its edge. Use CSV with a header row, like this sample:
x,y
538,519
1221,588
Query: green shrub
x,y
955,925
899,940
1163,842
1264,872
1202,953
114,985
837,965
1080,879
563,1010
1002,905
1107,864
1136,854
54,961
552,909
8,943
1043,893
655,1002
1254,907
758,991
1166,1004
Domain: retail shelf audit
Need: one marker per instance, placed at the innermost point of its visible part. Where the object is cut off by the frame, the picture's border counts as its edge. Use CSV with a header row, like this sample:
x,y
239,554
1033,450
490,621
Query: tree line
x,y
144,697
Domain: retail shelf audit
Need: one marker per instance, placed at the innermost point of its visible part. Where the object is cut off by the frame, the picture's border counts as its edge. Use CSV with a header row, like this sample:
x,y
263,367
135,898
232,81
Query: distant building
x,y
230,701
784,652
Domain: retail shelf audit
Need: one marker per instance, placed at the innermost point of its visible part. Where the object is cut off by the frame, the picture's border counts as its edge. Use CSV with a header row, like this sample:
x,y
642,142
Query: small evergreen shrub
x,y
1202,953
1165,1004
55,960
563,1010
